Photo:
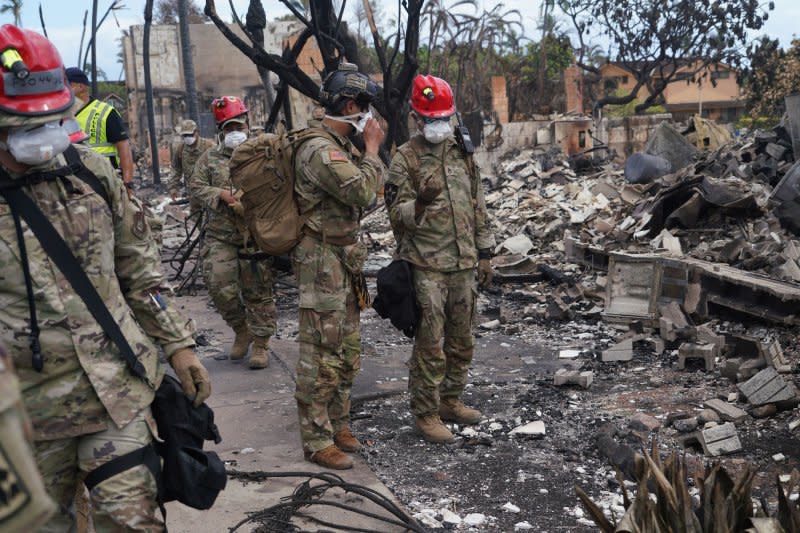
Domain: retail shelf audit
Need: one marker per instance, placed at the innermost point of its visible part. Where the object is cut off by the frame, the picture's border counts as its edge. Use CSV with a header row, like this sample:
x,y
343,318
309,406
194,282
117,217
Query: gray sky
x,y
64,22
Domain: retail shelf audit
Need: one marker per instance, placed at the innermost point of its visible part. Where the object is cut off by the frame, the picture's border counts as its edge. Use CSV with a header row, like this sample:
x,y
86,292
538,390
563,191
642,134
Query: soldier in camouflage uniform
x,y
24,503
184,157
238,276
333,185
85,405
435,201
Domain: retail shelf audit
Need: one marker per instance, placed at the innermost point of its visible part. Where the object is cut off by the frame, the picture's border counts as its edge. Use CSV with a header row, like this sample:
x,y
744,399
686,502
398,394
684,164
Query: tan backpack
x,y
262,168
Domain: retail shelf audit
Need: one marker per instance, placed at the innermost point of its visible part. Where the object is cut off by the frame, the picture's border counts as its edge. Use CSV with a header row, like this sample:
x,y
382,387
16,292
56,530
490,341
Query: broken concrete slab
x,y
573,377
668,143
689,350
726,411
622,351
767,387
720,440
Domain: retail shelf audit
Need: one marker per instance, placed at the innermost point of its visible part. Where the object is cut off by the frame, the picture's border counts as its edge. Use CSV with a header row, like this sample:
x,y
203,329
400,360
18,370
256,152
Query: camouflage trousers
x,y
125,502
241,288
439,369
330,344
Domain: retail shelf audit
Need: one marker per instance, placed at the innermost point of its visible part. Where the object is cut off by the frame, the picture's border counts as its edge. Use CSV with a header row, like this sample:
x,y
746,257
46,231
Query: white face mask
x,y
438,131
357,120
234,138
37,145
188,140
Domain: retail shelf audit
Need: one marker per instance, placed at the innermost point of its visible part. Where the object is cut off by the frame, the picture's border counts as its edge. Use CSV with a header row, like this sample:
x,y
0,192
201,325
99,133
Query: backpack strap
x,y
146,455
76,167
410,152
22,206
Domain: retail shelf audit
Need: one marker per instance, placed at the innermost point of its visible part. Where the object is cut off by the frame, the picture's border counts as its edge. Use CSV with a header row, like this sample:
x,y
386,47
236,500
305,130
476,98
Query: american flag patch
x,y
338,156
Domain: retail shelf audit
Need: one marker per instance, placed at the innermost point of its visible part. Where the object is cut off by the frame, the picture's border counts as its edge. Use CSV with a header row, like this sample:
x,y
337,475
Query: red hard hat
x,y
226,108
432,97
40,89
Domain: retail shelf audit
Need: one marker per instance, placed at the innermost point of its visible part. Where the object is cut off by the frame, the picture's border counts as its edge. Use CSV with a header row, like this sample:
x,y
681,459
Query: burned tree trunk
x,y
255,22
148,90
336,44
188,62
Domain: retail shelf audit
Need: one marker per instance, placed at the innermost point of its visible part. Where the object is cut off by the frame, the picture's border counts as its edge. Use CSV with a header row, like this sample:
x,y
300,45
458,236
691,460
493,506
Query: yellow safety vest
x,y
92,119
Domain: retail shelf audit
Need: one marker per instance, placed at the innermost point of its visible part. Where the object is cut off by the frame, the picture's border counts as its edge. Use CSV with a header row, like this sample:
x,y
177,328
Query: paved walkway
x,y
257,417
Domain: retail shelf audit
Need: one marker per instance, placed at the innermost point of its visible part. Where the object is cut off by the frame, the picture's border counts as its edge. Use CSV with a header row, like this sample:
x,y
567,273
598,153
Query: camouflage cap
x,y
187,127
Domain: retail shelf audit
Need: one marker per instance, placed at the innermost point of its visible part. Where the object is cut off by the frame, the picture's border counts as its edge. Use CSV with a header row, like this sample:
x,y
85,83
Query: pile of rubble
x,y
718,208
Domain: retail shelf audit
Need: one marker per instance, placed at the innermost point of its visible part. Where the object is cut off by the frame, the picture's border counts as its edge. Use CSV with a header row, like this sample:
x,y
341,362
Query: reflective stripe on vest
x,y
92,119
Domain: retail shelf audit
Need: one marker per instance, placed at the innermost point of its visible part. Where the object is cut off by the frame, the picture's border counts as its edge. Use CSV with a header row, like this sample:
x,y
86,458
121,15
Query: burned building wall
x,y
220,69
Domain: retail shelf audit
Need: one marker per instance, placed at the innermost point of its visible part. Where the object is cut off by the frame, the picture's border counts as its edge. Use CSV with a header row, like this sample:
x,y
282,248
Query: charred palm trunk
x,y
188,62
148,90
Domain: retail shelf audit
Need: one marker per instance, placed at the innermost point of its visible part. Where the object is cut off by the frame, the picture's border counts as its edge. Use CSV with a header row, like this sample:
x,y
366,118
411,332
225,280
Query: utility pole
x,y
188,62
148,90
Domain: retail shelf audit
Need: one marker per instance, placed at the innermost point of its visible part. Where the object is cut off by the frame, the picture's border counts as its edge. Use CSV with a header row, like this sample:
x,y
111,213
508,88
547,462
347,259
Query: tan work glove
x,y
430,189
192,374
485,273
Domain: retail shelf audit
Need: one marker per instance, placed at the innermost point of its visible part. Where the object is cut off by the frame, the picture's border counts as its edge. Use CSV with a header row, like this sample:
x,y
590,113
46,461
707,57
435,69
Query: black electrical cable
x,y
306,495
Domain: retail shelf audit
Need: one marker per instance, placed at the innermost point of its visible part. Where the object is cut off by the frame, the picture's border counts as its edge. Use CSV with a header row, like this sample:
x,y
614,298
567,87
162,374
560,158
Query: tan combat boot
x,y
330,457
241,343
433,430
346,441
454,410
259,358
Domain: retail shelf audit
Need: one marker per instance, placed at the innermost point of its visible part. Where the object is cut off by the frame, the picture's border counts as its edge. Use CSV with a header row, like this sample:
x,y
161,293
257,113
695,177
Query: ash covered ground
x,y
503,475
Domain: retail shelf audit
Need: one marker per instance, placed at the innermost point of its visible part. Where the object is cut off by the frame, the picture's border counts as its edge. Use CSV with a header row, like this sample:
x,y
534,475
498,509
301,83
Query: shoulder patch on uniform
x,y
139,227
336,155
14,495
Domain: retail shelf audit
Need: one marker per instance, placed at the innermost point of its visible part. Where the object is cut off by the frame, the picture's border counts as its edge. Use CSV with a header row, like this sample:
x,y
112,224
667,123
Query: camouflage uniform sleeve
x,y
199,184
138,265
331,168
176,162
401,210
484,238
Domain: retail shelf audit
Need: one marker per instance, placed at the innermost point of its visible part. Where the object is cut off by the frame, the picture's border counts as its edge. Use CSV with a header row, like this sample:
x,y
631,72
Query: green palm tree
x,y
14,7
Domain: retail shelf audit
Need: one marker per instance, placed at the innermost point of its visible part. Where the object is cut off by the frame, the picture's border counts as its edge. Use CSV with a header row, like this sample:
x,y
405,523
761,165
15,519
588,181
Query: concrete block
x,y
667,329
689,350
767,387
726,411
706,335
622,351
720,440
573,377
773,353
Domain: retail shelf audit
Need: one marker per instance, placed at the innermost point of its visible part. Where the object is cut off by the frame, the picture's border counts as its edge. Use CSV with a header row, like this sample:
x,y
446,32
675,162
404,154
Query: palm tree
x,y
14,7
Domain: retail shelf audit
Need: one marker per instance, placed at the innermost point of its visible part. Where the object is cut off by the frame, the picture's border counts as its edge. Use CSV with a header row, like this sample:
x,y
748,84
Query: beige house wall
x,y
686,92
